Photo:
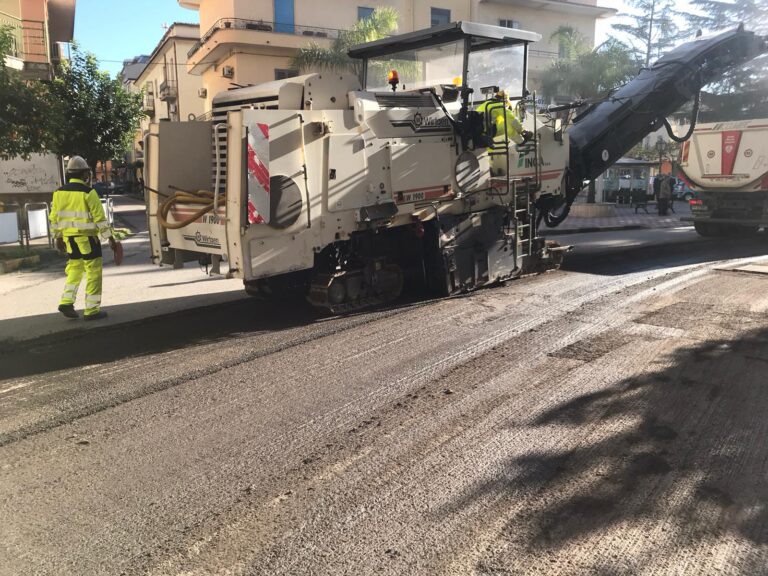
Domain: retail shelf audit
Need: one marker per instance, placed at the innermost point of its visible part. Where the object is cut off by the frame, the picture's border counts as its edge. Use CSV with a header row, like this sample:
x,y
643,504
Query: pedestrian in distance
x,y
79,225
672,197
665,195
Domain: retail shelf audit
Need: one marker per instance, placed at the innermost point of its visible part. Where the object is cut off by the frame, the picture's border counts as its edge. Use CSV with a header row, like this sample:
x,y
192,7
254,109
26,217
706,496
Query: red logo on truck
x,y
731,141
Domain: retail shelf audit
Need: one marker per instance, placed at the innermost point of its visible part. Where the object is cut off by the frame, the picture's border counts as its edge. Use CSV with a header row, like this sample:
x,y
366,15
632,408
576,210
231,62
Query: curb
x,y
591,229
14,264
10,345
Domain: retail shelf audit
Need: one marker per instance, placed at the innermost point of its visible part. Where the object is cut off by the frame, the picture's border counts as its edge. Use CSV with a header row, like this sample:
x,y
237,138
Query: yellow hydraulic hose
x,y
204,198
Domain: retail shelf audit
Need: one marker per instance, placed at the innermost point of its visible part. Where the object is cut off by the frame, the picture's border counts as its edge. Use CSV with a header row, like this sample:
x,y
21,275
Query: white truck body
x,y
727,156
726,164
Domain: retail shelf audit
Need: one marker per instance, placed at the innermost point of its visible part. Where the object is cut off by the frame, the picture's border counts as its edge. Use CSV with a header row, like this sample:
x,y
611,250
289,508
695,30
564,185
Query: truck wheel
x,y
707,229
741,230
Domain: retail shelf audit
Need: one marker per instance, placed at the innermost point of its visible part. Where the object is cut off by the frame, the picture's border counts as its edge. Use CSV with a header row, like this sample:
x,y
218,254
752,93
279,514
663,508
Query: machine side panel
x,y
179,158
422,171
285,241
347,172
185,160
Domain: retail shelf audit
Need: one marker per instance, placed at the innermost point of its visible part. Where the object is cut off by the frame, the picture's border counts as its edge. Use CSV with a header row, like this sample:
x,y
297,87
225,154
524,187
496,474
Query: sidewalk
x,y
625,219
134,291
138,289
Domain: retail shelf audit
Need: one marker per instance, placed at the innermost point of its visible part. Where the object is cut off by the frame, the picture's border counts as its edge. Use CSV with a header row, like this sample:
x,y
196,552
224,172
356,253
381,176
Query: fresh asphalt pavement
x,y
607,418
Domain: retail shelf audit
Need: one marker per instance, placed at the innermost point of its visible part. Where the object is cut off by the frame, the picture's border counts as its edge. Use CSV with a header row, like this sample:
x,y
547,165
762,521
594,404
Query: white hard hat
x,y
77,164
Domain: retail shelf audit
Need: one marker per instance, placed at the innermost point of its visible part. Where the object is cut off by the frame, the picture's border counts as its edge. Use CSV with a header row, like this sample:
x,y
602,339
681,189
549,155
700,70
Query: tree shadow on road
x,y
675,459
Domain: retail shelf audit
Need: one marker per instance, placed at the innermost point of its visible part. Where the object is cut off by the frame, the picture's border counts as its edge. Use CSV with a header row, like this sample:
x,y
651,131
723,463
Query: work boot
x,y
98,316
68,310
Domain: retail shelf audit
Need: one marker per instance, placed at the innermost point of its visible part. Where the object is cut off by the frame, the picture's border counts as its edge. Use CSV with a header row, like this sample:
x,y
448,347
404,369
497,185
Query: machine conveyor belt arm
x,y
608,129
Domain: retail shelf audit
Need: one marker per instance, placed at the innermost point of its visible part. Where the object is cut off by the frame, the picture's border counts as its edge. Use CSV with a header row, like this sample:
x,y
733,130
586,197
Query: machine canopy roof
x,y
482,37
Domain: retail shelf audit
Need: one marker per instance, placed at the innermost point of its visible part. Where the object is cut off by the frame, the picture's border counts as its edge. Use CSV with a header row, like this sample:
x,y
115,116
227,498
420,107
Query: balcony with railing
x,y
13,25
542,56
168,91
29,51
149,104
231,32
577,7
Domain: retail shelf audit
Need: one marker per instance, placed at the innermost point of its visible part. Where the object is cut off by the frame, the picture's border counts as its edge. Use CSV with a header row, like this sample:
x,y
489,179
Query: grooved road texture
x,y
589,421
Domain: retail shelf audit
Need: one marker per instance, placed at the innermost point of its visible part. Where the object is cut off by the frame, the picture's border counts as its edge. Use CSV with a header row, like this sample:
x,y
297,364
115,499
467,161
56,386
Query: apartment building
x,y
252,41
38,26
132,69
170,92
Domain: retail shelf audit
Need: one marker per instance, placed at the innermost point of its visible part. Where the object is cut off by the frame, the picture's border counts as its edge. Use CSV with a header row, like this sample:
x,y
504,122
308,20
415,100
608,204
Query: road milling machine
x,y
347,188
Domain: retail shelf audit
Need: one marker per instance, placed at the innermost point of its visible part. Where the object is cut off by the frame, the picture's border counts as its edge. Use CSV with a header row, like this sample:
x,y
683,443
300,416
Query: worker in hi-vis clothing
x,y
78,224
515,131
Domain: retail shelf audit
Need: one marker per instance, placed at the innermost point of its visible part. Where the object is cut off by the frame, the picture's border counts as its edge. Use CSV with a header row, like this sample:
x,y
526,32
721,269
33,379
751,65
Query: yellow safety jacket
x,y
514,127
76,211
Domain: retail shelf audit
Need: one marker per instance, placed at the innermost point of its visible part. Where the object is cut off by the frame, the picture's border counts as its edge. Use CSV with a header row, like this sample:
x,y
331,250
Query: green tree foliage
x,y
743,93
591,74
650,29
722,14
572,43
23,109
92,114
381,23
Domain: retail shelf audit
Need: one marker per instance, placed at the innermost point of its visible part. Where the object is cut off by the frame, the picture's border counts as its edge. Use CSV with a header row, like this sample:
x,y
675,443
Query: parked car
x,y
102,189
683,192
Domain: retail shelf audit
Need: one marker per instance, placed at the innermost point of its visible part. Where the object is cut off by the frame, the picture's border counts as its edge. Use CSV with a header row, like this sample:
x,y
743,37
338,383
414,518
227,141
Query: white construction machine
x,y
726,164
348,191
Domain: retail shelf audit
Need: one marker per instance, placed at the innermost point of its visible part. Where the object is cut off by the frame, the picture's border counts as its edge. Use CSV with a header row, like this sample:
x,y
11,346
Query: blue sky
x,y
115,30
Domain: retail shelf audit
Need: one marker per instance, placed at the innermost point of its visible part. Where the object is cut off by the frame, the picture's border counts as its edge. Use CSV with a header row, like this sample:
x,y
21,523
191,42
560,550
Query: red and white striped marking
x,y
258,173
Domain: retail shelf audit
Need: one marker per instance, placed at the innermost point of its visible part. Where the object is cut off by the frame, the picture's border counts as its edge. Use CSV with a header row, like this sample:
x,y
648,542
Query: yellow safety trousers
x,y
84,258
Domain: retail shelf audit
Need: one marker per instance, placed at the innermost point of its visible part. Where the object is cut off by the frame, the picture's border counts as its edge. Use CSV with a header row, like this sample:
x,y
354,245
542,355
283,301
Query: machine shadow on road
x,y
186,328
680,449
155,335
655,257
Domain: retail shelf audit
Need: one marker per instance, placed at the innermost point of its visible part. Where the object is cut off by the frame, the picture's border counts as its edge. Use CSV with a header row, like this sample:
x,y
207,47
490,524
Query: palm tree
x,y
571,42
590,75
381,23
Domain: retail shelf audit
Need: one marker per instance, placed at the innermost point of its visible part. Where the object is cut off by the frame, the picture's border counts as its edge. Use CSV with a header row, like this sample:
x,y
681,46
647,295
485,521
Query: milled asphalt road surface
x,y
608,418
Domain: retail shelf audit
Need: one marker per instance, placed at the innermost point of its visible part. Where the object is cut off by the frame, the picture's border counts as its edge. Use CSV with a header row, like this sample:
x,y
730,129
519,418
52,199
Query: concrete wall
x,y
11,7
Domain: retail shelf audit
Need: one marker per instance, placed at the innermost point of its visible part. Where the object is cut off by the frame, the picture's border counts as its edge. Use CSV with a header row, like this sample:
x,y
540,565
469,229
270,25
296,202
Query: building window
x,y
440,16
364,12
283,73
509,24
